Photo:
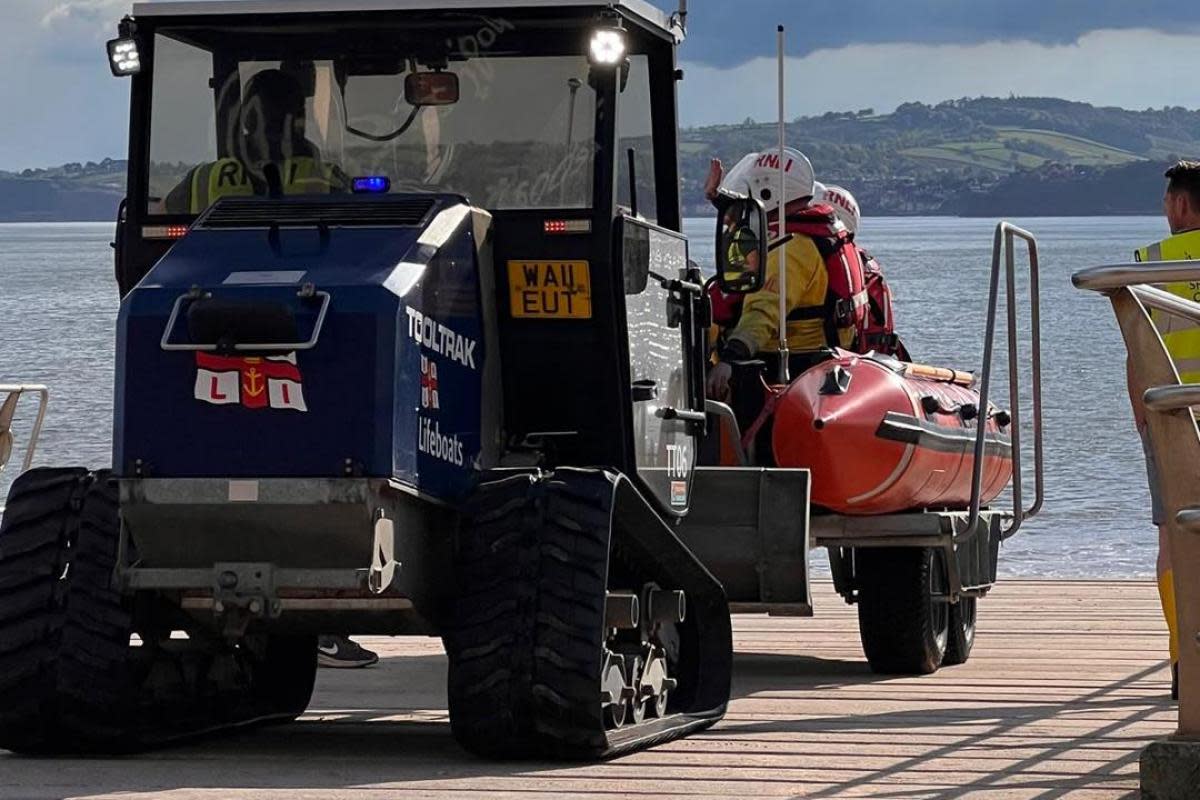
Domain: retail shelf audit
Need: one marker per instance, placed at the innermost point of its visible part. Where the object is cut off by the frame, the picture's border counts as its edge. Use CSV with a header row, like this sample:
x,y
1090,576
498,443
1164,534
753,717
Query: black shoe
x,y
339,652
1175,681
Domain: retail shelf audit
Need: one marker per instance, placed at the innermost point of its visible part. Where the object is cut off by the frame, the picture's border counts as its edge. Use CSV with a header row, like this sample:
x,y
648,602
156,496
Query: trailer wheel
x,y
903,618
526,646
65,654
962,631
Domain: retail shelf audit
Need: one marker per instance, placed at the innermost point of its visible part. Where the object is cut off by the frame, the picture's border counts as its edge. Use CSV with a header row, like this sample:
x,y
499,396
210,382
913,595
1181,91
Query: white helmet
x,y
844,205
757,174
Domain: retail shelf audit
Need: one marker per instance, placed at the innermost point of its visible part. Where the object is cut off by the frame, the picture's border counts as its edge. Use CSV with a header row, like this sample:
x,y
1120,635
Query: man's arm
x,y
759,323
758,328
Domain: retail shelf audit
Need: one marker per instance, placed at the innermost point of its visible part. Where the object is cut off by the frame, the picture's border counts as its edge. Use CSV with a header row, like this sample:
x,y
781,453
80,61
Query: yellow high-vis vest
x,y
1181,337
227,177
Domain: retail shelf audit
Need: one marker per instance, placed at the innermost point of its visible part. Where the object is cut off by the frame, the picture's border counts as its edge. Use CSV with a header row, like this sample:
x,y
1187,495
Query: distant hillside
x,y
1055,190
982,156
71,193
929,159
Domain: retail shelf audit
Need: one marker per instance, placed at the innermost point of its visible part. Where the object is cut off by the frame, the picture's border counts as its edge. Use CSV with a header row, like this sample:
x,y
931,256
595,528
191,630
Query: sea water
x,y
58,305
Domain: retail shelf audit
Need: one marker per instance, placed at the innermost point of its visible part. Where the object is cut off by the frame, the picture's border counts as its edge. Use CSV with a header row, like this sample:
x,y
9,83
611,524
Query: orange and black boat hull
x,y
881,436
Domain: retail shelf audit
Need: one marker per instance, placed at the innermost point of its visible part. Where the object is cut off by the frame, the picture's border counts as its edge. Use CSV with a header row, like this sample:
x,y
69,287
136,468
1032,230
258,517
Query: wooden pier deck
x,y
1067,683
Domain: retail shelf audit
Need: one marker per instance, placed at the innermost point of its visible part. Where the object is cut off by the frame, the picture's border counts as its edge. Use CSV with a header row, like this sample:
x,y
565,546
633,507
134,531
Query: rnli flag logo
x,y
272,382
429,384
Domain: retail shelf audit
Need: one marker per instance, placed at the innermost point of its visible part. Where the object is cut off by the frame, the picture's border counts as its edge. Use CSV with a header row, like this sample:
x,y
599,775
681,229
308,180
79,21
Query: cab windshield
x,y
234,114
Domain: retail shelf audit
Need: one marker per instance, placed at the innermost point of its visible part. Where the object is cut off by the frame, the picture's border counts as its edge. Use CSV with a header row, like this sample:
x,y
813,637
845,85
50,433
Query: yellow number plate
x,y
550,289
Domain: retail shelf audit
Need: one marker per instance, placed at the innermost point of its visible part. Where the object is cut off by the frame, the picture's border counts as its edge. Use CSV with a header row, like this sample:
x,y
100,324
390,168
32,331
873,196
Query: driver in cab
x,y
274,156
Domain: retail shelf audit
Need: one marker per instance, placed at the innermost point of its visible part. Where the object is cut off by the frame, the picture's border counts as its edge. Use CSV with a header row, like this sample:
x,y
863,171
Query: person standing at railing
x,y
1181,205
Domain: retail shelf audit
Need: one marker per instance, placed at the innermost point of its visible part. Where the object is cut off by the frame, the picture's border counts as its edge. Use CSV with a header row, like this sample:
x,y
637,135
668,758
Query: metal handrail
x,y
1136,277
1172,398
725,412
1154,372
43,394
1189,519
1003,242
276,347
1173,304
1110,277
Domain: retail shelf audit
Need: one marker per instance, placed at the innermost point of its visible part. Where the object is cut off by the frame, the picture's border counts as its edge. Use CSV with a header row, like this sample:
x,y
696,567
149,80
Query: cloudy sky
x,y
58,102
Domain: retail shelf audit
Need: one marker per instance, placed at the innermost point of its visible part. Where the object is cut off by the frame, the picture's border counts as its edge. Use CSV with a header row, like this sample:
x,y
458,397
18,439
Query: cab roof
x,y
640,9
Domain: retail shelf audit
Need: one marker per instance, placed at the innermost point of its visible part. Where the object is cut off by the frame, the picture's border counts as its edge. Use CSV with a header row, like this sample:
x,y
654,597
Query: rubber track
x,y
893,617
525,650
64,633
69,680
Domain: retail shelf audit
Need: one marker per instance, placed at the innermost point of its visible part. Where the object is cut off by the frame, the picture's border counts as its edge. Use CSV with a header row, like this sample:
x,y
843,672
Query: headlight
x,y
607,47
123,58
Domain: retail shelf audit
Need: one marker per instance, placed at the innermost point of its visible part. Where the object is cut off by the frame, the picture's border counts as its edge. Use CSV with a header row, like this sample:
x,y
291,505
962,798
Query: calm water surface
x,y
58,303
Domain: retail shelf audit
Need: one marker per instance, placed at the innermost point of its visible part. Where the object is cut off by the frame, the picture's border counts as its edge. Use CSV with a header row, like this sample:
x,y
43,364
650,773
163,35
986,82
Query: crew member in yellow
x,y
756,333
1181,204
274,156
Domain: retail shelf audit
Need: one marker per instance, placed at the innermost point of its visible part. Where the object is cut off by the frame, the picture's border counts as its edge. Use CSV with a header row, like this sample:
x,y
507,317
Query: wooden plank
x,y
1067,683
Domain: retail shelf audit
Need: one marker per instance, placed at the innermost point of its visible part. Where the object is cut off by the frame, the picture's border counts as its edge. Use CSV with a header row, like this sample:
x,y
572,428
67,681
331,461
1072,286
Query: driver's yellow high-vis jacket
x,y
227,177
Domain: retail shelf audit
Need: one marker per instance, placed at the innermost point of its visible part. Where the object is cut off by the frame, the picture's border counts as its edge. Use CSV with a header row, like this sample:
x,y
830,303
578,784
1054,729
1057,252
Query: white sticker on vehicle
x,y
243,491
264,276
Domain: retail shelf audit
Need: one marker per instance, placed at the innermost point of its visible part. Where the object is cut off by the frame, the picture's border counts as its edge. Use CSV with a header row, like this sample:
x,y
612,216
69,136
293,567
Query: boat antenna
x,y
633,198
784,372
681,15
574,85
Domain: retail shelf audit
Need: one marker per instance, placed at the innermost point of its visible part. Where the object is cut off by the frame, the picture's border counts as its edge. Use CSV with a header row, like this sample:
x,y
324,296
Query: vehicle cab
x,y
558,119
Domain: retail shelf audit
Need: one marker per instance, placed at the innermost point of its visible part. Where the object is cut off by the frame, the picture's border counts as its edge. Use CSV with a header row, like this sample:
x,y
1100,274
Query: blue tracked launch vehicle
x,y
409,343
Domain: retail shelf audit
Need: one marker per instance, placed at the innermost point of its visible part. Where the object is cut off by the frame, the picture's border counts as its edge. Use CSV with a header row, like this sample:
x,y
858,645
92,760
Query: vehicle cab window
x,y
245,118
636,131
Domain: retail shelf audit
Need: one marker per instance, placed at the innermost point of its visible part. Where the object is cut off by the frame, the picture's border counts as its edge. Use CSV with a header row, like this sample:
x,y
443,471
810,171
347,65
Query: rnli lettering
x,y
437,337
229,175
550,289
771,161
272,382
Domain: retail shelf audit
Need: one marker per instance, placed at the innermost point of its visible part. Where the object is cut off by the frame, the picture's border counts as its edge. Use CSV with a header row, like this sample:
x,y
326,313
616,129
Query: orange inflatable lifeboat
x,y
882,436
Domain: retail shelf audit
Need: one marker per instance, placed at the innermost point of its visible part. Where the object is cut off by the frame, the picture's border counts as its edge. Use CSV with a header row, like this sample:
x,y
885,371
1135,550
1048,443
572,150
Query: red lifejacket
x,y
880,332
846,303
726,308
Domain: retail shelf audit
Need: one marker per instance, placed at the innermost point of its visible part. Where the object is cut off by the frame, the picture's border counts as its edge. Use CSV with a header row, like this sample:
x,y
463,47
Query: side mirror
x,y
741,243
635,256
648,251
431,88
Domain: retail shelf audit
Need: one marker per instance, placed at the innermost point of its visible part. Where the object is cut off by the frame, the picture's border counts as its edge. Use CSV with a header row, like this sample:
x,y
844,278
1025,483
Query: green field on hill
x,y
1014,149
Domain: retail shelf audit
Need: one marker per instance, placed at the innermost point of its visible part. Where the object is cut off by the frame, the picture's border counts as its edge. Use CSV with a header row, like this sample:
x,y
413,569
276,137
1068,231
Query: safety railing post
x,y
1003,254
12,394
1174,441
